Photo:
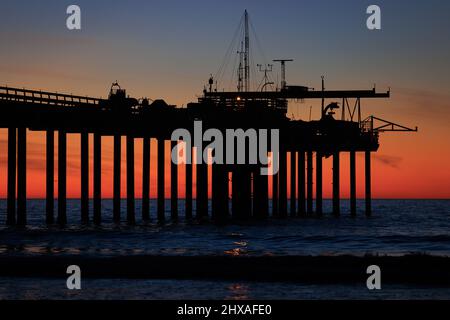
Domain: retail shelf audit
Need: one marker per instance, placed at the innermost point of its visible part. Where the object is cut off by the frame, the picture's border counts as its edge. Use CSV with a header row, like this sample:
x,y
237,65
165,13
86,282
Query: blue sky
x,y
167,44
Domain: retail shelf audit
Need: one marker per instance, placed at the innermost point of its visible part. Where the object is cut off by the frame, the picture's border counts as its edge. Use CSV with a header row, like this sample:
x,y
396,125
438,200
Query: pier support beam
x,y
241,203
336,185
117,172
275,210
309,182
12,157
130,180
283,184
188,199
293,208
260,195
97,178
161,198
50,177
368,185
319,181
84,177
173,184
22,176
62,177
146,179
202,190
301,184
353,183
219,193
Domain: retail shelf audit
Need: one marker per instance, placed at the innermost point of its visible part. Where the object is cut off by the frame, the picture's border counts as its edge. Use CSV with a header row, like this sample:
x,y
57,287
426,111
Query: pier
x,y
23,111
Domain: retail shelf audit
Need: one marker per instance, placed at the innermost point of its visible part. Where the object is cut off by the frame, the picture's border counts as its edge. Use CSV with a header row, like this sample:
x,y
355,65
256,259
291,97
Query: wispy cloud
x,y
425,103
391,161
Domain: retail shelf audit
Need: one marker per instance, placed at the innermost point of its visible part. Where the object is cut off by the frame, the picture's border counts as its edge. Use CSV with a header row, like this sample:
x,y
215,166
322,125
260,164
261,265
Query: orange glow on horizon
x,y
391,177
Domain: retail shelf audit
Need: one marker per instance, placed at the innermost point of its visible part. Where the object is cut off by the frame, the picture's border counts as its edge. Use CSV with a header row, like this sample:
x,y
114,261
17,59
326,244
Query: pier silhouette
x,y
24,110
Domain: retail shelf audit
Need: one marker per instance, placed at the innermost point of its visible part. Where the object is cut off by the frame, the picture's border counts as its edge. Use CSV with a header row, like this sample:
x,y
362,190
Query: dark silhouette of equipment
x,y
283,70
118,100
328,112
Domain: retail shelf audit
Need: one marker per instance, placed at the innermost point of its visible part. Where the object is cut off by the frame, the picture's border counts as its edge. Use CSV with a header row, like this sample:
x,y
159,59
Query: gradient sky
x,y
168,49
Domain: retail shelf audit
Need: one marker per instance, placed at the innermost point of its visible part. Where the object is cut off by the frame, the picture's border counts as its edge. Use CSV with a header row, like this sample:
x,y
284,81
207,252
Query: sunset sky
x,y
168,49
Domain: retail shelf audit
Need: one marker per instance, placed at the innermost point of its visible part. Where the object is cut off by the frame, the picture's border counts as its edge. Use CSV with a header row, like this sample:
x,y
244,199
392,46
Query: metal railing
x,y
47,98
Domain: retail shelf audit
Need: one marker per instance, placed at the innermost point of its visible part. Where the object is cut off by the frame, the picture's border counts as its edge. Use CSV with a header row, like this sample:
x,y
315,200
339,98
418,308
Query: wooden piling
x,y
173,184
97,178
309,182
161,195
319,181
219,202
336,184
301,200
368,184
293,206
62,177
130,180
50,177
353,183
12,157
22,176
146,179
117,172
84,177
188,200
283,184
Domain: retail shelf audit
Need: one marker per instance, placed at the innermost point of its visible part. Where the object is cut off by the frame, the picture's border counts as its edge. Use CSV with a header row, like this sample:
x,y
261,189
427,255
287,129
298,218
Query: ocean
x,y
396,228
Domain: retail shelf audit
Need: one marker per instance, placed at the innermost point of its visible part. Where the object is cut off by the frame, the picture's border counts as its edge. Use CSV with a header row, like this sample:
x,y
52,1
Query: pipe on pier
x,y
22,176
161,198
319,182
130,180
50,177
336,184
12,157
84,177
309,182
301,204
146,179
62,177
368,185
173,184
353,183
97,178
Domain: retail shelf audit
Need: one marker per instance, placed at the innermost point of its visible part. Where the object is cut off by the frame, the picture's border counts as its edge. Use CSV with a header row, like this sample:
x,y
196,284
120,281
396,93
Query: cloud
x,y
425,103
391,161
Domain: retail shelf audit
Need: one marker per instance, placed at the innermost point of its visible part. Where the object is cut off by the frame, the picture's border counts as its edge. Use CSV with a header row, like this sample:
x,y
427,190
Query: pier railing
x,y
46,98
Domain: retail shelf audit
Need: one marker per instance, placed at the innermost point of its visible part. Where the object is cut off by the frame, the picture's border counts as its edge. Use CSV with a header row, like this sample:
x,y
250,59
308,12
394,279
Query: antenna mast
x,y
283,70
246,54
240,69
